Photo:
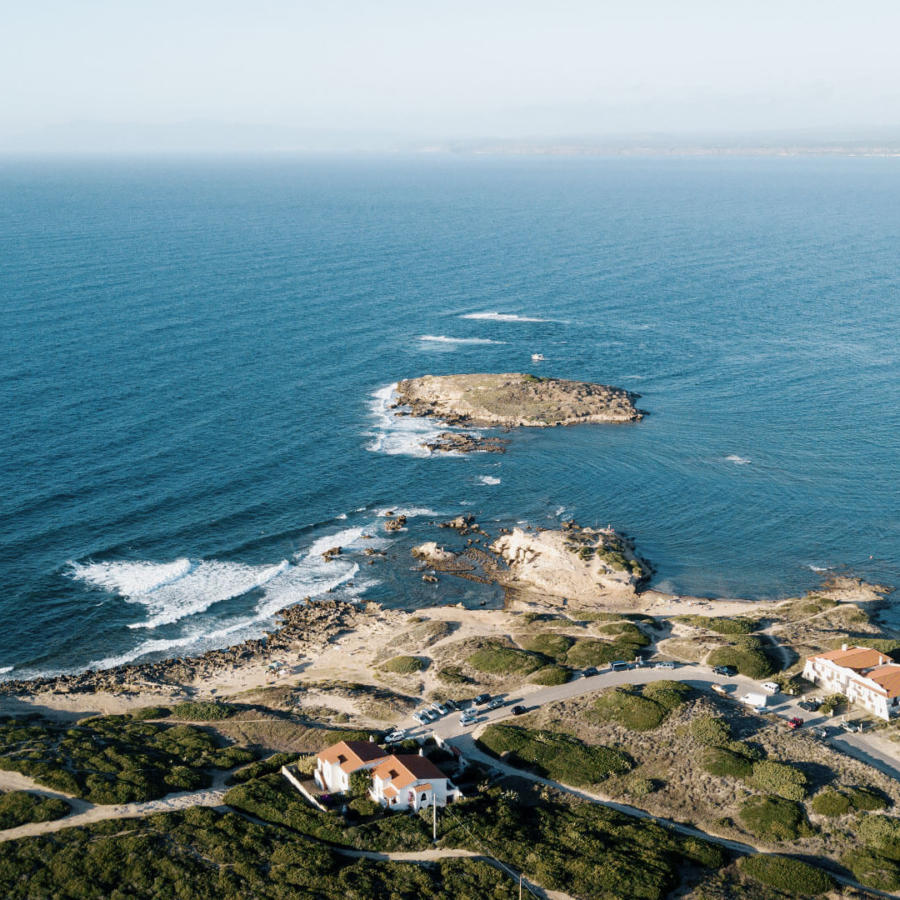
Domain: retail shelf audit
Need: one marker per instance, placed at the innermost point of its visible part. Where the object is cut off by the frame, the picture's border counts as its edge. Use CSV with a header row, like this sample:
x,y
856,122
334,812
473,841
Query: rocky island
x,y
515,399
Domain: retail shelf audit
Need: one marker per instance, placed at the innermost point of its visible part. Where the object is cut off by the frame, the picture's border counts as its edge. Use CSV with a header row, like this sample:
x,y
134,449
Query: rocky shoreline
x,y
304,628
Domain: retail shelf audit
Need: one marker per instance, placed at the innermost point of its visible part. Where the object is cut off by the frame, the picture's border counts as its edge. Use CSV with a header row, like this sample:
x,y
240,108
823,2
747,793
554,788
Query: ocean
x,y
197,358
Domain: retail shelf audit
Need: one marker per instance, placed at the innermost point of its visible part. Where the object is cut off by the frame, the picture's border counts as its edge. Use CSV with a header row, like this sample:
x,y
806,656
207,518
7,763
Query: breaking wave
x,y
737,460
488,479
502,317
443,339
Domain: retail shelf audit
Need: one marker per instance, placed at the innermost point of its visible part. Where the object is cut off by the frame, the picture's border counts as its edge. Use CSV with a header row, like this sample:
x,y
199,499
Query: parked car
x,y
518,710
481,698
430,715
796,722
771,687
496,703
452,705
852,726
822,731
728,671
420,717
619,665
665,664
719,689
467,717
591,671
395,737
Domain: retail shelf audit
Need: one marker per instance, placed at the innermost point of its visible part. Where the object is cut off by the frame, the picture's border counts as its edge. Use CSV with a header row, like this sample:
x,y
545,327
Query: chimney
x,y
844,647
421,751
371,738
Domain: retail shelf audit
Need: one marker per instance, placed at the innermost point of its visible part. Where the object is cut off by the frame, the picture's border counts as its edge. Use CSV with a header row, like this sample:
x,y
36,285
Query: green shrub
x,y
792,876
498,659
830,803
19,807
151,712
867,799
631,708
668,694
404,665
557,756
721,624
872,869
774,818
203,711
550,644
832,702
453,675
747,655
551,675
589,652
710,731
881,834
779,779
719,761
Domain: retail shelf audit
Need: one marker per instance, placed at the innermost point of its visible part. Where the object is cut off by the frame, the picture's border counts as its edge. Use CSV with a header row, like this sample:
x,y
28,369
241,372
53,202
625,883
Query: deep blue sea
x,y
196,359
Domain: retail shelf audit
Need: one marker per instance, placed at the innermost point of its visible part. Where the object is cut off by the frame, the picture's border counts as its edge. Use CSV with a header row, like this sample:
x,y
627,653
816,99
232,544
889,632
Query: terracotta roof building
x,y
335,764
867,677
411,782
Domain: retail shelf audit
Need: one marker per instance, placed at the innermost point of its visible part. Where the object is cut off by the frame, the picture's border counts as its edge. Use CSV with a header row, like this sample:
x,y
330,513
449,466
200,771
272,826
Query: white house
x,y
411,782
865,676
335,764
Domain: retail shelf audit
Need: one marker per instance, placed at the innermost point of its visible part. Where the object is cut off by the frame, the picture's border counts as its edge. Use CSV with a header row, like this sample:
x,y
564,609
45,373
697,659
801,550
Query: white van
x,y
771,687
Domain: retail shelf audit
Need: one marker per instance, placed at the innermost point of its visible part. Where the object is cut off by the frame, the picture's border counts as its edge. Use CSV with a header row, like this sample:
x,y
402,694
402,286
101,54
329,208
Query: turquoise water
x,y
196,354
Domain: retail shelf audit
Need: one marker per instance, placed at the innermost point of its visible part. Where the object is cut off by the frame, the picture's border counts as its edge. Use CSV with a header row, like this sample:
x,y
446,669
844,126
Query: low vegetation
x,y
721,624
404,665
114,759
792,876
641,708
495,658
203,711
201,854
19,807
778,779
774,818
747,654
560,757
551,675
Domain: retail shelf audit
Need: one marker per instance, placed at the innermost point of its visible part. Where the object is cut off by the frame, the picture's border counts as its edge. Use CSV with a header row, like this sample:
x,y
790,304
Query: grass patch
x,y
710,731
452,675
779,779
203,711
774,818
498,659
721,624
722,762
549,644
19,807
151,712
747,655
551,675
830,803
793,876
560,757
640,709
404,665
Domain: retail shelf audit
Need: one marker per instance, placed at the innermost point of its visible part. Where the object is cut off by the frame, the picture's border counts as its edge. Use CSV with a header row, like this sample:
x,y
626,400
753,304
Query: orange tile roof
x,y
887,677
406,769
856,658
351,755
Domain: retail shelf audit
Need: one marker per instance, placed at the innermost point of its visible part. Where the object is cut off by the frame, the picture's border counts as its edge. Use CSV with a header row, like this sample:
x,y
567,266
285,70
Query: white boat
x,y
537,357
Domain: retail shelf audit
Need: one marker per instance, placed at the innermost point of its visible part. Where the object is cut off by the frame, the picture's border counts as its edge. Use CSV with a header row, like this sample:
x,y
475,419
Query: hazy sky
x,y
274,74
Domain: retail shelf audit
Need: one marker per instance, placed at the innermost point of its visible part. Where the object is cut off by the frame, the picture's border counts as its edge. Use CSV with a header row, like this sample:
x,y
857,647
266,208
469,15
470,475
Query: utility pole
x,y
434,811
520,885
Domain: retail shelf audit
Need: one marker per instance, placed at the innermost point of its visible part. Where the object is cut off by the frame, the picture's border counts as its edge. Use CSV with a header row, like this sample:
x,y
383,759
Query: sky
x,y
281,75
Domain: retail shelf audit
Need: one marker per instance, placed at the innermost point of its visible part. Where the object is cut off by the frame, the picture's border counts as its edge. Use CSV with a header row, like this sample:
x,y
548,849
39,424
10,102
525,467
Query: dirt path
x,y
440,853
85,813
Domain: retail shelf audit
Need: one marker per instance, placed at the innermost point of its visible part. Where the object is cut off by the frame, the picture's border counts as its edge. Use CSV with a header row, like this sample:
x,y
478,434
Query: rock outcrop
x,y
579,564
515,399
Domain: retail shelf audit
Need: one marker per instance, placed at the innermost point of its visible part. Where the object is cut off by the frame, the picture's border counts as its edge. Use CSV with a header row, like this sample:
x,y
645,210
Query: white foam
x,y
443,339
5,669
502,317
400,435
173,591
345,538
737,460
559,512
813,568
488,479
409,511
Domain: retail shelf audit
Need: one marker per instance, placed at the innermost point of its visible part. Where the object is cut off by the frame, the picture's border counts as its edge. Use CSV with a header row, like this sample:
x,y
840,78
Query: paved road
x,y
868,748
